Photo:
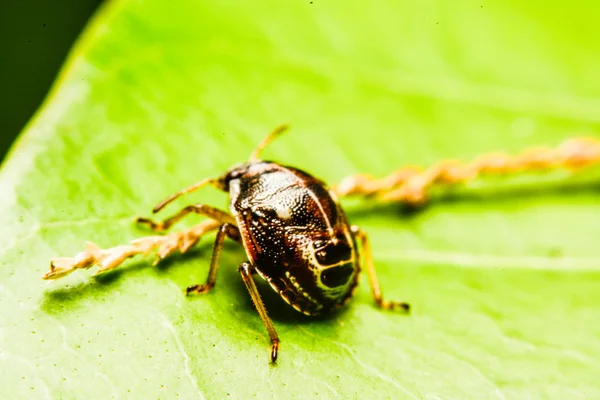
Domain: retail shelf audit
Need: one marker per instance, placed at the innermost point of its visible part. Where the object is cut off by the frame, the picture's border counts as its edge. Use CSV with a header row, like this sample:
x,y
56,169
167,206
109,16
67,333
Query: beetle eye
x,y
337,276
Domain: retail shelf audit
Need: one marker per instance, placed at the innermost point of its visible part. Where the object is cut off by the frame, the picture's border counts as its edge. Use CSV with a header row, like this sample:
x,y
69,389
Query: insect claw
x,y
198,289
404,306
274,352
157,227
393,305
190,289
396,305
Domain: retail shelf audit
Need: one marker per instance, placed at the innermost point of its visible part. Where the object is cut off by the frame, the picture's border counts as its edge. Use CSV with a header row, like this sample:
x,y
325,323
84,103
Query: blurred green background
x,y
35,37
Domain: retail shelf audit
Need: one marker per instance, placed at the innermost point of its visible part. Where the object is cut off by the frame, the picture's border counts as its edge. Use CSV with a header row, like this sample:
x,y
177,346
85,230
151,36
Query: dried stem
x,y
410,184
108,259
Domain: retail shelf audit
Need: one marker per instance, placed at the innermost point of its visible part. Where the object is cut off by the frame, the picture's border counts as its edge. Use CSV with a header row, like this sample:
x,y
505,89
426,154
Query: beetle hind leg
x,y
246,270
372,274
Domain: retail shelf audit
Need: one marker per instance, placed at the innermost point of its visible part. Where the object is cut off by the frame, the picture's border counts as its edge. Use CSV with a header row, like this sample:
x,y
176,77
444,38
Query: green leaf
x,y
504,276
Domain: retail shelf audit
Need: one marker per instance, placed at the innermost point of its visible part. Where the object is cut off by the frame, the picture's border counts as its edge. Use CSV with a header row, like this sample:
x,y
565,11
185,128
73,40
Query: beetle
x,y
295,233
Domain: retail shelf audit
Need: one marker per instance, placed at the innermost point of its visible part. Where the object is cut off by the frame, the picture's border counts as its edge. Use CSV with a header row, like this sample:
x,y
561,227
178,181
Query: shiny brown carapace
x,y
295,233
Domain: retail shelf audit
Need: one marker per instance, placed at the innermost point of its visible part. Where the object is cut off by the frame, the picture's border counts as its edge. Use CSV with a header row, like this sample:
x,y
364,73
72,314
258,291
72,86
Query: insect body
x,y
294,232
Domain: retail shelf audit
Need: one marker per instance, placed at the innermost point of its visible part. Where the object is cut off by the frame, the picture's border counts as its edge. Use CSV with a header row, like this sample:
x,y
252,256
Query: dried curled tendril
x,y
410,184
108,259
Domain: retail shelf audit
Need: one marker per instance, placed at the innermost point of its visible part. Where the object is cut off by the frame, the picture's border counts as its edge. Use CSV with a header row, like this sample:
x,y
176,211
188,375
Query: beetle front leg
x,y
246,270
202,209
225,230
373,281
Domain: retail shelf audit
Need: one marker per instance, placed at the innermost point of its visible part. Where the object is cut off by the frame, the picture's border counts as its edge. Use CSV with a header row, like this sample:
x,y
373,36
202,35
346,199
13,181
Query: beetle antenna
x,y
187,190
266,141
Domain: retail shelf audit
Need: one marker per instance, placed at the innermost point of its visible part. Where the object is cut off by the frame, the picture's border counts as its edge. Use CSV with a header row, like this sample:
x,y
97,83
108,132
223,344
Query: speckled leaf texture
x,y
503,274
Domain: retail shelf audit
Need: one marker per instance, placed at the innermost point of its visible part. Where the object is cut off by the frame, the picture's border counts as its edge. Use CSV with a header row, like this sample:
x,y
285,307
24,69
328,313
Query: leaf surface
x,y
503,275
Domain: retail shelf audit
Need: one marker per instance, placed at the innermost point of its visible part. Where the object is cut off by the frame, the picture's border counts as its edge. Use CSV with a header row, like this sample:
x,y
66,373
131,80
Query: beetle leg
x,y
373,281
201,209
246,270
224,230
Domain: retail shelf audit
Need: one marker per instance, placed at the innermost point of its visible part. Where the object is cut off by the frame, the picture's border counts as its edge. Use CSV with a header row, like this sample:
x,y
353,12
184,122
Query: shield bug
x,y
295,234
294,231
